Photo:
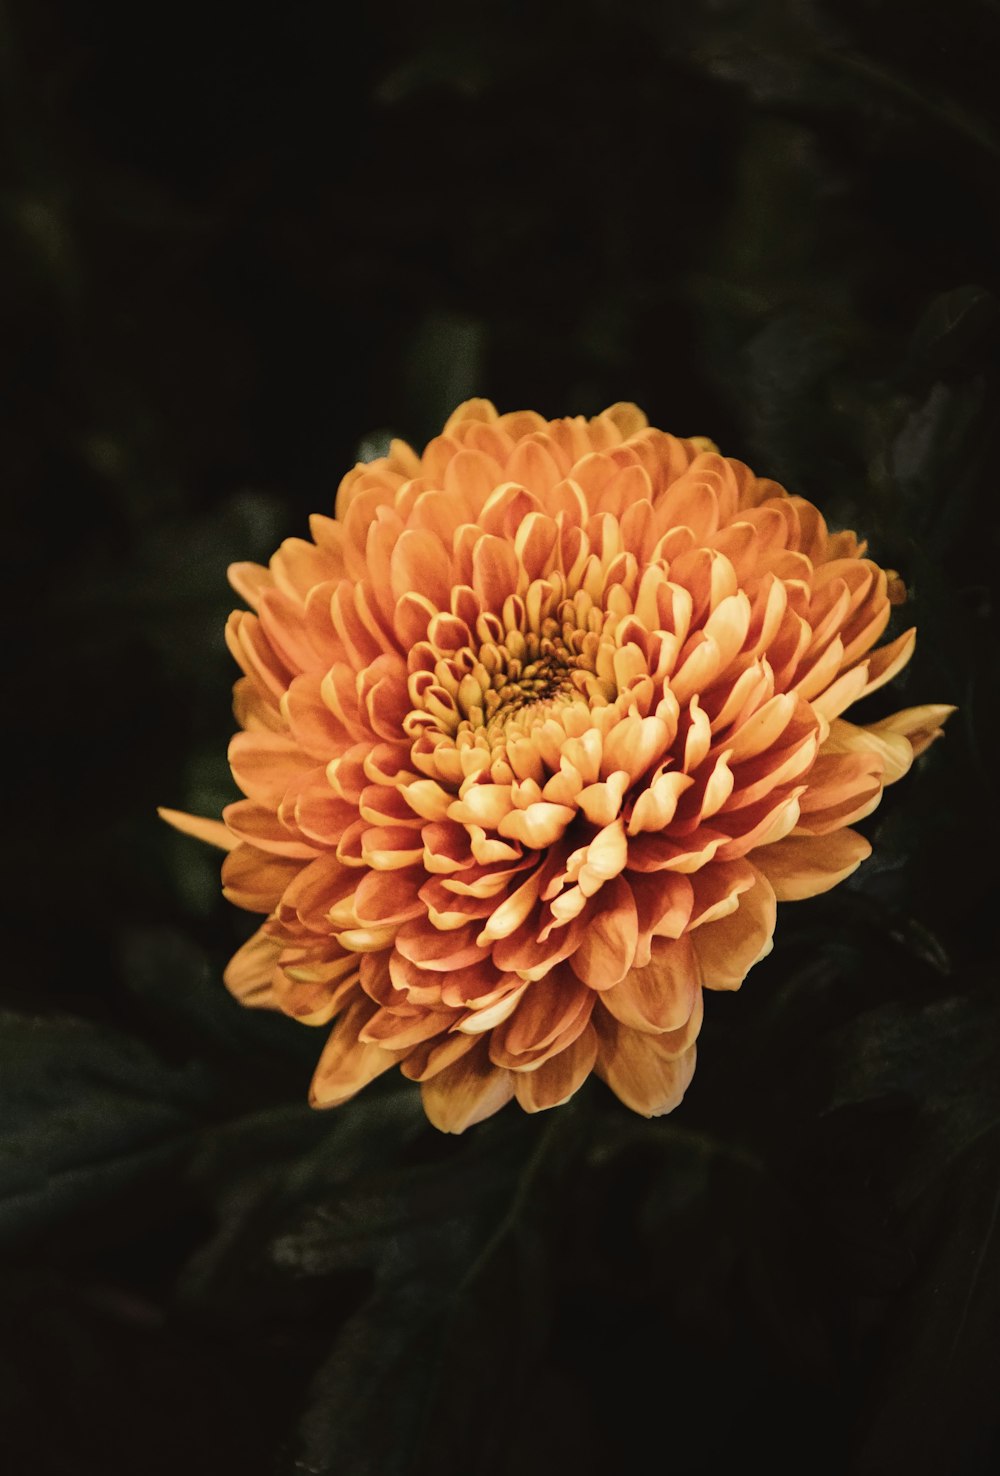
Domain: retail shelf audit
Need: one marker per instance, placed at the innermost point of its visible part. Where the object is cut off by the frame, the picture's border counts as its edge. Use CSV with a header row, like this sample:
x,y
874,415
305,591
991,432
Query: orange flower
x,y
534,736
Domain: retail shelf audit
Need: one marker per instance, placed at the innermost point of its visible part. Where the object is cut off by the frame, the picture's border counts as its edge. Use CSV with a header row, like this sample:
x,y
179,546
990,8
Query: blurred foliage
x,y
240,253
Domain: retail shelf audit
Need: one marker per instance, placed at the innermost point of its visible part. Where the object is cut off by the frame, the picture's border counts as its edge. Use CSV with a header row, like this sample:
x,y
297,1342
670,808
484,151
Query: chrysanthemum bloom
x,y
535,734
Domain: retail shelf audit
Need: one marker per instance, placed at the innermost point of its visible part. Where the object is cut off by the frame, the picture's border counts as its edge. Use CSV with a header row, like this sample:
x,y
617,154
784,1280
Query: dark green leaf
x,y
87,1112
460,1295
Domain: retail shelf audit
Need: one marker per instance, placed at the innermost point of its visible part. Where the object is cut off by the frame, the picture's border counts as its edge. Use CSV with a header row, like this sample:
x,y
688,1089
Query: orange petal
x,y
319,814
478,410
476,985
431,1056
633,745
487,805
391,847
254,654
758,825
422,986
839,696
466,1092
315,889
288,630
556,1080
638,1073
412,617
842,788
532,957
202,828
921,726
663,901
389,896
655,807
888,661
398,1029
266,765
420,564
804,866
673,1044
427,799
533,467
250,581
661,996
248,974
313,726
608,945
717,890
422,944
314,994
602,802
893,749
762,730
606,856
658,853
254,709
263,829
494,570
348,1063
255,880
552,1014
729,947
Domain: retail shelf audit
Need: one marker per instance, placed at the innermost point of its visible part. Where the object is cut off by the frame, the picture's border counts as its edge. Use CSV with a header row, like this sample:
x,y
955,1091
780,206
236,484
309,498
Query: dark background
x,y
238,252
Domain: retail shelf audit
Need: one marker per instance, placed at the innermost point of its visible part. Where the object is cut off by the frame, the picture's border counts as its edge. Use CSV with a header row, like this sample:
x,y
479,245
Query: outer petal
x,y
921,726
347,1063
256,880
608,946
314,993
805,865
214,832
894,750
466,1092
639,1073
552,1014
249,973
555,1081
728,948
661,996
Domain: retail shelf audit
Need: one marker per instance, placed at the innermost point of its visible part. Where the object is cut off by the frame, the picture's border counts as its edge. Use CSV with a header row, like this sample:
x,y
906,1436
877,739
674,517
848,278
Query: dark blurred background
x,y
239,251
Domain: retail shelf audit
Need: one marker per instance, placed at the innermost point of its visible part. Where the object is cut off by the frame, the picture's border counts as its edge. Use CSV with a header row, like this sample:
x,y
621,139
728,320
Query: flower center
x,y
529,670
489,700
519,675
